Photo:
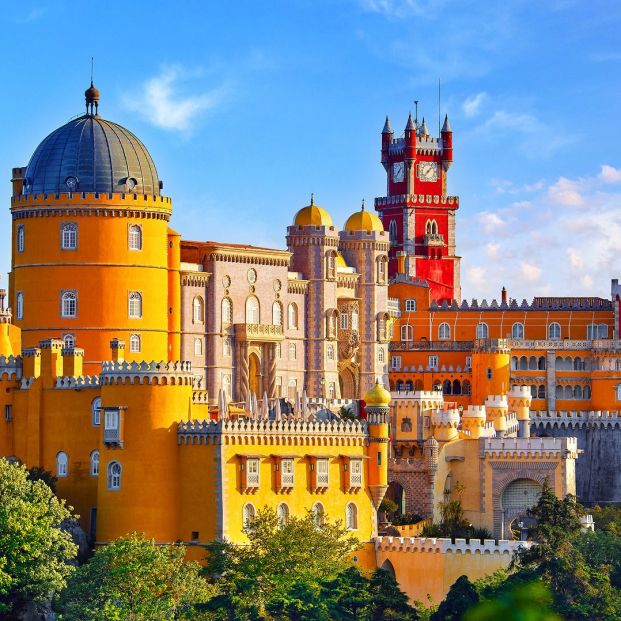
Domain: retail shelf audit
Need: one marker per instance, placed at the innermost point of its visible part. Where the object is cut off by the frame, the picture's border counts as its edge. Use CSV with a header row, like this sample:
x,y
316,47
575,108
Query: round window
x,y
277,285
252,276
226,281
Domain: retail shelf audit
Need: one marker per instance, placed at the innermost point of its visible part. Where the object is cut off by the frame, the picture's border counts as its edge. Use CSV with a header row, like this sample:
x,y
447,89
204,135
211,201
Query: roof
x,y
312,215
364,221
90,154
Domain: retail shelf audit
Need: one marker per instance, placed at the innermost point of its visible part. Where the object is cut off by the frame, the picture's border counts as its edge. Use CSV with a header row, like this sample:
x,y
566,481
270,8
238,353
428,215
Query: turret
x,y
6,347
410,139
473,420
377,402
519,400
387,135
447,144
496,408
444,424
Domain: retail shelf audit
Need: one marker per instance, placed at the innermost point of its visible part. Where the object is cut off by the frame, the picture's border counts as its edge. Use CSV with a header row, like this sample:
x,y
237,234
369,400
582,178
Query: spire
x,y
410,125
447,125
362,208
387,128
423,128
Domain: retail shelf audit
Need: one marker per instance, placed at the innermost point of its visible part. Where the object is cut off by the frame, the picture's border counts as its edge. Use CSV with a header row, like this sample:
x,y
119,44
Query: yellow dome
x,y
312,215
340,261
377,396
364,221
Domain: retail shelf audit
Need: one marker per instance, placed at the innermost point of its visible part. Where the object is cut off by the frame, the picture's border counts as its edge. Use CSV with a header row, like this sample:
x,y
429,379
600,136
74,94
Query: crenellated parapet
x,y
610,419
448,546
173,373
10,368
528,448
588,304
271,432
71,383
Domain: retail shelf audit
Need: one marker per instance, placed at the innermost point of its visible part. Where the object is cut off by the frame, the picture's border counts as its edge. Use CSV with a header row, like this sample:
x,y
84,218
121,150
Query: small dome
x,y
340,260
364,221
89,154
312,215
377,396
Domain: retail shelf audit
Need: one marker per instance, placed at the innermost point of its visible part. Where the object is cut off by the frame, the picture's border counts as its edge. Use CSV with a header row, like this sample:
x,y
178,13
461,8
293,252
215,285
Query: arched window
x,y
94,463
381,356
523,363
292,351
559,392
283,514
618,392
319,515
392,232
96,411
19,303
68,341
227,347
532,363
135,343
351,516
554,331
227,310
541,363
514,363
69,236
517,330
533,391
69,304
20,238
586,392
579,364
248,514
276,314
135,305
407,333
444,331
577,392
135,237
62,465
114,475
399,385
482,330
198,310
226,385
569,393
330,352
541,392
465,388
292,314
330,264
456,387
408,386
198,347
381,269
447,387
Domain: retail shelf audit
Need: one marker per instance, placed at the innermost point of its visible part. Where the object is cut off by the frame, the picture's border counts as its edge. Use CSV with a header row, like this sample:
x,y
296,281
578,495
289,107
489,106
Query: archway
x,y
396,493
517,498
347,384
254,371
388,566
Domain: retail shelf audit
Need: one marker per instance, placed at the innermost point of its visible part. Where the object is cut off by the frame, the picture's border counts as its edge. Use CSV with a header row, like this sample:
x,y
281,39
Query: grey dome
x,y
89,154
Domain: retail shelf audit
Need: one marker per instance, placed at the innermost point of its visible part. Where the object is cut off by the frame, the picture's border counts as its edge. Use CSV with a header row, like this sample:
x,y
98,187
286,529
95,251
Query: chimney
x,y
17,179
117,349
73,359
503,295
51,358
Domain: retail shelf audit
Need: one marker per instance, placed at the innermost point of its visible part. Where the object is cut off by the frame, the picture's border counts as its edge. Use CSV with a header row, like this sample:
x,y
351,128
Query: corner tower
x,y
90,259
416,211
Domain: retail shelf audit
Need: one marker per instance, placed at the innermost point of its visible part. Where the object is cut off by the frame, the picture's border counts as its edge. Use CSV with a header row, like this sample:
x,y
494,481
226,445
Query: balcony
x,y
262,332
393,308
431,346
434,239
112,436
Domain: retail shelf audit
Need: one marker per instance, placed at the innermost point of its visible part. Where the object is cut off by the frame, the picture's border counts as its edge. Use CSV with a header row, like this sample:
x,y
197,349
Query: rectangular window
x,y
292,351
252,473
354,322
69,304
20,238
344,321
322,473
410,306
379,458
355,473
591,332
395,362
286,473
227,350
112,426
8,413
433,362
468,361
279,386
69,235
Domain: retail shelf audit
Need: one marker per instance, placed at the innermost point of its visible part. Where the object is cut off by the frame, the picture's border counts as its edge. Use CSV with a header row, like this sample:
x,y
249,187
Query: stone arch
x,y
389,567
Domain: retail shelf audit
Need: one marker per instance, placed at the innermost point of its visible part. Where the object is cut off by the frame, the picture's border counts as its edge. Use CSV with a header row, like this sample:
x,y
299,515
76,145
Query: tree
x,y
461,596
388,601
134,579
347,596
34,550
280,564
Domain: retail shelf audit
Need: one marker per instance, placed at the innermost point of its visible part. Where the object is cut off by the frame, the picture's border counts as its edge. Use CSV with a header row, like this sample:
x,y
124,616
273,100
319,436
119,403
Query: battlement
x,y
448,546
520,392
576,420
538,304
445,418
179,372
71,383
496,401
475,411
251,431
551,448
87,198
416,200
10,367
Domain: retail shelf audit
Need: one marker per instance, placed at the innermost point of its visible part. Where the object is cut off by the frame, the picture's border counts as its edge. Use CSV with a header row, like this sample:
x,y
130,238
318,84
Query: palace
x,y
176,387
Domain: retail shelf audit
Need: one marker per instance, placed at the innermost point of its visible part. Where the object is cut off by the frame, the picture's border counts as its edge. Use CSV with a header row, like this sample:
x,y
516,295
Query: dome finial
x,y
92,96
312,198
363,204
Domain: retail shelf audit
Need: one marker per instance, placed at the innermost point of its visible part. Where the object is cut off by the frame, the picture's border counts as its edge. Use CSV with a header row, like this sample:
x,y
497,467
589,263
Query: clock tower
x,y
416,211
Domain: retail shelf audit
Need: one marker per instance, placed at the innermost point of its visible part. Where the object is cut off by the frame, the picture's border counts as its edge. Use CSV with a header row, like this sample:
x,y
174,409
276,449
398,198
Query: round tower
x,y
444,424
490,369
139,481
377,407
473,420
519,400
89,257
496,408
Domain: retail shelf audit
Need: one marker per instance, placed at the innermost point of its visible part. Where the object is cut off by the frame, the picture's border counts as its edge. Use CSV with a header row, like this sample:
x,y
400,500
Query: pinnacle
x,y
447,124
410,124
387,128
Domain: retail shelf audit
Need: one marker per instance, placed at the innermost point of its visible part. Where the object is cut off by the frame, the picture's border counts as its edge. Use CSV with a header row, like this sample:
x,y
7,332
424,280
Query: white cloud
x,y
472,105
476,276
566,192
609,174
575,260
162,102
530,272
398,9
492,250
490,221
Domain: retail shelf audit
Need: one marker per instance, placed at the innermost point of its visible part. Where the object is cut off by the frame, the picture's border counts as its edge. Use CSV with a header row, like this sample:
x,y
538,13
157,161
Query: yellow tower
x,y
519,400
377,402
496,408
490,369
444,424
91,251
473,420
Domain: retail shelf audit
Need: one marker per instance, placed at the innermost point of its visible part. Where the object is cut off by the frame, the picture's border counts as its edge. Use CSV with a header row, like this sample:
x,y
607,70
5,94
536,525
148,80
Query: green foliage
x,y
388,601
453,523
399,519
280,571
388,505
133,579
347,596
608,519
461,596
39,474
526,602
34,550
348,412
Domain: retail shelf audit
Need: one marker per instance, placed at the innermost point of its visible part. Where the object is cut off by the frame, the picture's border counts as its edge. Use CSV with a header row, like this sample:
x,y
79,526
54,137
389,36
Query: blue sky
x,y
248,107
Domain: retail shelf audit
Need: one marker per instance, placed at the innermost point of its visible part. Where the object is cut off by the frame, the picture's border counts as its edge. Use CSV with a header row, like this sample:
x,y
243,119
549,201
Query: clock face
x,y
397,171
71,183
427,171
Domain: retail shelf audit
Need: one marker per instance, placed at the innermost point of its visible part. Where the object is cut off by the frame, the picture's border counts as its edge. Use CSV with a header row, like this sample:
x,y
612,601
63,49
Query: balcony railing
x,y
286,479
434,239
112,436
258,332
355,479
431,346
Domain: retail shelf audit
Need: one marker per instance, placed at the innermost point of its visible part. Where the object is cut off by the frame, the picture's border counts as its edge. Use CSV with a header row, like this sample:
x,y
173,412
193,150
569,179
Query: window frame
x,y
133,339
133,298
409,305
68,235
198,309
134,237
551,336
517,326
114,479
482,327
21,238
444,331
94,463
69,296
62,467
19,305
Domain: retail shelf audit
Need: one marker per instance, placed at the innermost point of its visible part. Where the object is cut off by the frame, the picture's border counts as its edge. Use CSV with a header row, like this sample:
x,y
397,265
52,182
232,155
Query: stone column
x,y
244,374
270,350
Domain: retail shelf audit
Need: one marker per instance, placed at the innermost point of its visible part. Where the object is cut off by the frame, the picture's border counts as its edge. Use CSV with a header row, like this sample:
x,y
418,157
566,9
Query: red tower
x,y
416,211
